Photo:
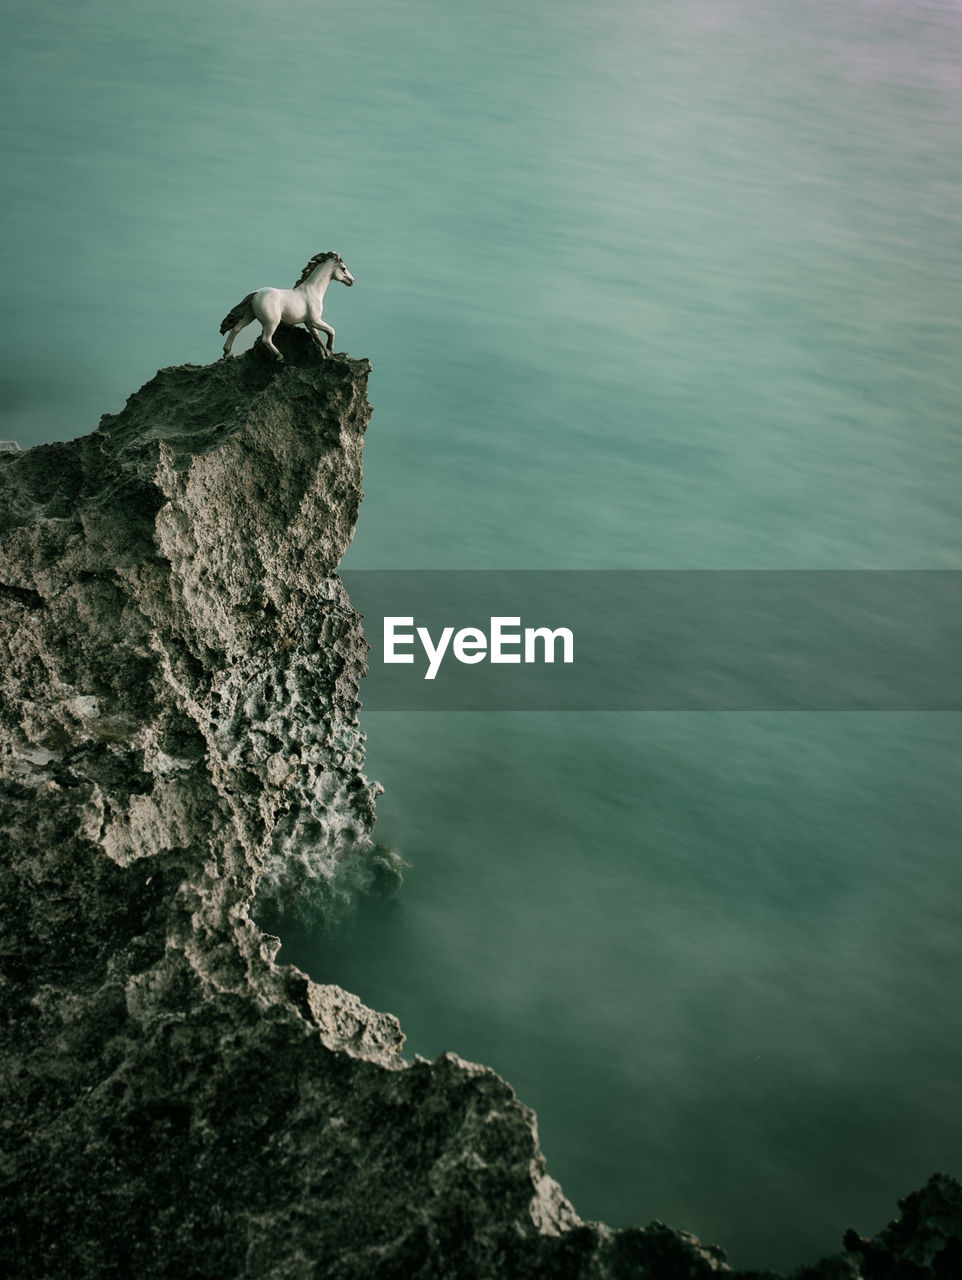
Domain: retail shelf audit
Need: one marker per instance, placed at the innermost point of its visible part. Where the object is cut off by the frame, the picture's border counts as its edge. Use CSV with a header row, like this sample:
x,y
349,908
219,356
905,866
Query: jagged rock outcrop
x,y
178,734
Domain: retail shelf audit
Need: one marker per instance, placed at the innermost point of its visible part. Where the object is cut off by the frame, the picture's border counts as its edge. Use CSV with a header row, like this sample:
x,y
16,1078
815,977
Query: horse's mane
x,y
313,264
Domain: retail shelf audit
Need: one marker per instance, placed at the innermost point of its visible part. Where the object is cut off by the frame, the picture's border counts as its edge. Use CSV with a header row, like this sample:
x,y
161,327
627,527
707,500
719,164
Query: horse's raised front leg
x,y
315,333
325,328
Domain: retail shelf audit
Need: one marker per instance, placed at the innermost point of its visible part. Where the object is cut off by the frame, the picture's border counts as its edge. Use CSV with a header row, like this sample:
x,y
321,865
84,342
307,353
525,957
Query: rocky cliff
x,y
178,744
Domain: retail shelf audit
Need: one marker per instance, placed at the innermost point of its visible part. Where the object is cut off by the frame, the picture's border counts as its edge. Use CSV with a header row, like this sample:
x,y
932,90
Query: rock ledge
x,y
178,733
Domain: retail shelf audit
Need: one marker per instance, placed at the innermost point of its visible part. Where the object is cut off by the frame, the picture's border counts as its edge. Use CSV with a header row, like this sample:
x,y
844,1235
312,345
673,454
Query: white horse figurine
x,y
301,305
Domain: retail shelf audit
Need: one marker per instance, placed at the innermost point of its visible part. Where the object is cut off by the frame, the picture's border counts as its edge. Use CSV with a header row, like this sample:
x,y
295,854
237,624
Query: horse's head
x,y
338,272
341,272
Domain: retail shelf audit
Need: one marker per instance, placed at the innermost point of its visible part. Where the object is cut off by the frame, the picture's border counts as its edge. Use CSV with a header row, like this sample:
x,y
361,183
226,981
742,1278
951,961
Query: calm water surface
x,y
663,286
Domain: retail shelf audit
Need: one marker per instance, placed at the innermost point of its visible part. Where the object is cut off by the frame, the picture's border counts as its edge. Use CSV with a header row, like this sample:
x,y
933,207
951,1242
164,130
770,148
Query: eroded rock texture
x,y
180,668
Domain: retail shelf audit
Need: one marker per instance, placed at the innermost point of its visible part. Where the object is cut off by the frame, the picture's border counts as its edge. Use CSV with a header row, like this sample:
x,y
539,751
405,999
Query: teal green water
x,y
661,286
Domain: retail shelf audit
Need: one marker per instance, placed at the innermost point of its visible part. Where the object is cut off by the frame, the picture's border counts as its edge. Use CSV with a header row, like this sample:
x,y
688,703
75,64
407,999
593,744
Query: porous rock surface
x,y
179,667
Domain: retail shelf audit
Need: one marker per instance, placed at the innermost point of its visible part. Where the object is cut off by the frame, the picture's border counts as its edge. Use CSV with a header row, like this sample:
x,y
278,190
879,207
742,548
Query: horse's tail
x,y
243,311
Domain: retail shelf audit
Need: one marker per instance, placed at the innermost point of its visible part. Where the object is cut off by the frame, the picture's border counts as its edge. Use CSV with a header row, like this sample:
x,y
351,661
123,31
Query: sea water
x,y
665,285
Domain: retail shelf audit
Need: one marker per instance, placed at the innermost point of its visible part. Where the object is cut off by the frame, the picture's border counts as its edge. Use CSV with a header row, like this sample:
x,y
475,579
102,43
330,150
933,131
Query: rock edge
x,y
178,733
